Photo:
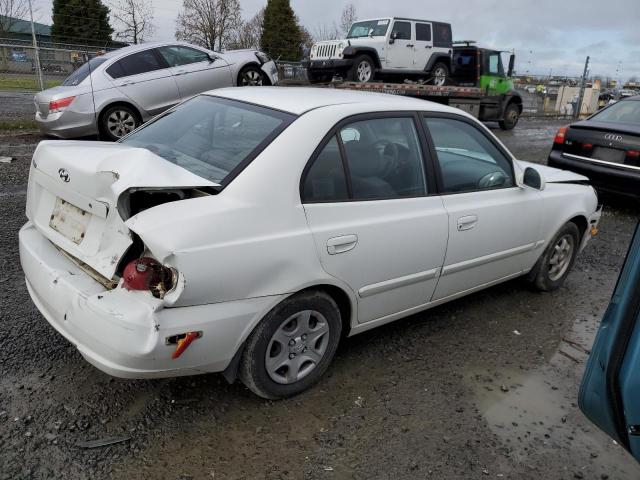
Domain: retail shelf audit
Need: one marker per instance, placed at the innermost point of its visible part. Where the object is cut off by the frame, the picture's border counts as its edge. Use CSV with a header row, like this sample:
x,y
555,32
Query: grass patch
x,y
18,125
25,83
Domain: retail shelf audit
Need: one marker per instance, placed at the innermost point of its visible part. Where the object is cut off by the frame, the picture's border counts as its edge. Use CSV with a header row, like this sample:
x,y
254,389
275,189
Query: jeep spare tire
x,y
363,69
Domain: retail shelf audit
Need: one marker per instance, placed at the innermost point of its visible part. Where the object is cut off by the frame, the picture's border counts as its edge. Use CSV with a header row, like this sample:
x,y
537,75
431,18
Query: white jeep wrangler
x,y
385,47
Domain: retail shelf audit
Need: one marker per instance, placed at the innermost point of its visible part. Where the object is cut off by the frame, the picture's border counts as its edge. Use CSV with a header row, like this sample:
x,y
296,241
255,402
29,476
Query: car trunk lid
x,y
73,196
605,142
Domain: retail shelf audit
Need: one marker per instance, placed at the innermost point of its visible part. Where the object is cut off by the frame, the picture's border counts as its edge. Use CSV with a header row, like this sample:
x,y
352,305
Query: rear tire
x,y
363,70
553,267
511,117
292,346
440,74
117,121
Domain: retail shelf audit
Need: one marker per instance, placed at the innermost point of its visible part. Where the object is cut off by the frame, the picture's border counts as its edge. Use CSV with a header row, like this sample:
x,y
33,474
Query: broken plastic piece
x,y
102,442
183,343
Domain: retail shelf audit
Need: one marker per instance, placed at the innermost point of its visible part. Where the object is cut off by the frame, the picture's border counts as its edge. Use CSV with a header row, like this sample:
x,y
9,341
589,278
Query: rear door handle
x,y
467,223
428,46
126,84
181,72
341,244
410,45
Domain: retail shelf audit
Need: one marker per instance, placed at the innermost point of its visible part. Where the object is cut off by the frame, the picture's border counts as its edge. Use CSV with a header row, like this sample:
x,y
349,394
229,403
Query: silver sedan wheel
x,y
561,257
252,78
120,123
297,347
439,76
364,71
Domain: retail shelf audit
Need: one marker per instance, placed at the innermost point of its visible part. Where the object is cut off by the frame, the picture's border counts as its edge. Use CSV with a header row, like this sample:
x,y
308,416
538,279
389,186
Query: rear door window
x,y
326,180
137,63
423,32
442,35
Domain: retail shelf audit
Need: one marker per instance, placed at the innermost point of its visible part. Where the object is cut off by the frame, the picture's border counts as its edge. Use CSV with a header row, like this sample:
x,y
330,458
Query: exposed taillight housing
x,y
60,105
147,274
561,135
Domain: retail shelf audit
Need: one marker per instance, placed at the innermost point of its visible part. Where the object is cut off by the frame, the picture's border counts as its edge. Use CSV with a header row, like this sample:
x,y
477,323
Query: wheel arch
x,y
515,98
441,58
372,52
582,223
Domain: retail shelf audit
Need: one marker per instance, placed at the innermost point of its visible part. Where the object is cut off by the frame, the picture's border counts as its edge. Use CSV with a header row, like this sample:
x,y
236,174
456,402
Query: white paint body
x,y
241,252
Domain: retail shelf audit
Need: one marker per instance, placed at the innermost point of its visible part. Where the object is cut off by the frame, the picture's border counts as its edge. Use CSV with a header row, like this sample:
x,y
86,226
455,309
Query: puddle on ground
x,y
535,411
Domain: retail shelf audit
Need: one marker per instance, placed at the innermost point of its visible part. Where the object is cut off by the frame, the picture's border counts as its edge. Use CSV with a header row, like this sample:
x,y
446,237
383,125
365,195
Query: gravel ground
x,y
483,387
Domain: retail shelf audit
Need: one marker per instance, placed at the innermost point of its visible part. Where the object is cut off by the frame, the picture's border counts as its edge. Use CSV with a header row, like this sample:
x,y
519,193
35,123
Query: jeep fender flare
x,y
372,52
443,57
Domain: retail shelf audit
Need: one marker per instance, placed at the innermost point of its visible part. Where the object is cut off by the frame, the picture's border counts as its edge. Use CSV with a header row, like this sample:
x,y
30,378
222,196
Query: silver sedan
x,y
112,94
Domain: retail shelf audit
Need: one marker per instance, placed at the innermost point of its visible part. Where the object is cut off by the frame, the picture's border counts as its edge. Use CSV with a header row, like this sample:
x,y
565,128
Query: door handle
x,y
428,46
410,45
126,84
341,244
467,223
181,72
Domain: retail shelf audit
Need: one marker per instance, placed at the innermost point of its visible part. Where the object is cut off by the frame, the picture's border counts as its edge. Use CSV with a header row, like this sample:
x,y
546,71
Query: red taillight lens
x,y
633,153
587,146
147,274
59,105
560,135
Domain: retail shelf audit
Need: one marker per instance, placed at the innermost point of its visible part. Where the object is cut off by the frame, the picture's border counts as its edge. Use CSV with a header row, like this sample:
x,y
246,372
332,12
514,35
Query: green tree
x,y
281,34
84,22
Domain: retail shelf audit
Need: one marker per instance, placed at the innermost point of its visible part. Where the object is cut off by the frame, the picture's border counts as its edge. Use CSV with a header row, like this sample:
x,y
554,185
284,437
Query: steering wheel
x,y
390,152
492,180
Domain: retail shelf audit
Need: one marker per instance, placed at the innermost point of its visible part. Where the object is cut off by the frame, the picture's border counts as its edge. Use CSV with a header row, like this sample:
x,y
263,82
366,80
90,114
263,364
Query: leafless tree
x,y
10,11
247,34
327,31
209,23
349,15
133,20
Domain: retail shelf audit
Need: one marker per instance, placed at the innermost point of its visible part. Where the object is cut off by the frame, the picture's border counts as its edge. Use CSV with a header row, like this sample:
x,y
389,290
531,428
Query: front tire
x,y
292,346
552,269
510,118
117,121
363,70
251,76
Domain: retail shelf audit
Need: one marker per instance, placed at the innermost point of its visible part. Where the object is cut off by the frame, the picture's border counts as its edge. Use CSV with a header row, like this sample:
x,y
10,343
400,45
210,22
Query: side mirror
x,y
533,179
392,37
512,62
212,57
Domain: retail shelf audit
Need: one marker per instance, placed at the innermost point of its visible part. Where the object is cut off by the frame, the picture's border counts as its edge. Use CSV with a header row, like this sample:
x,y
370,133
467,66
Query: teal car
x,y
610,390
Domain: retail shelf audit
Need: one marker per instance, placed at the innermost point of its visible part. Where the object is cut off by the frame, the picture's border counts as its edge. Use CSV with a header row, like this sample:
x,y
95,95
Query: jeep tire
x,y
363,69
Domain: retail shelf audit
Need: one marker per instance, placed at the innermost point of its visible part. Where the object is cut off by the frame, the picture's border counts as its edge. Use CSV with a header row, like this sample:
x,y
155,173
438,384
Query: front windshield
x,y
83,72
620,112
210,136
373,28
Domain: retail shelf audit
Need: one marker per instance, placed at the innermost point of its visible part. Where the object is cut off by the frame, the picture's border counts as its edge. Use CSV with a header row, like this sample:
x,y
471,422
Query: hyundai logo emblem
x,y
613,137
64,175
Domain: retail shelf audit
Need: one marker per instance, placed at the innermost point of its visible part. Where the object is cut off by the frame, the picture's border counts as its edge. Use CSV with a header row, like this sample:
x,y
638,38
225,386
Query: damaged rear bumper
x,y
124,333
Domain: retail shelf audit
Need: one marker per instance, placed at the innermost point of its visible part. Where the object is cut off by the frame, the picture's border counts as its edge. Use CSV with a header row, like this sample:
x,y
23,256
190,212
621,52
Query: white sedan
x,y
246,231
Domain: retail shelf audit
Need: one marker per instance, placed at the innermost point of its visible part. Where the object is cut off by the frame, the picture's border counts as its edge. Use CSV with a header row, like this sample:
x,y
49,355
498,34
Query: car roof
x,y
143,46
298,100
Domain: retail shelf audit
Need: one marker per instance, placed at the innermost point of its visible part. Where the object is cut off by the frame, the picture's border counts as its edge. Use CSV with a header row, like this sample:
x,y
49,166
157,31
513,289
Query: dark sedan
x,y
605,147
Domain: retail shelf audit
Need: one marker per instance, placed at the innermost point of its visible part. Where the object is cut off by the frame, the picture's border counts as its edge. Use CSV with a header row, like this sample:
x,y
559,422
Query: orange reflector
x,y
594,231
183,343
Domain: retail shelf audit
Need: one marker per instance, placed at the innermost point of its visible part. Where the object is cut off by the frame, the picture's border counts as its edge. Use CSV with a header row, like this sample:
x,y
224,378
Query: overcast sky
x,y
547,35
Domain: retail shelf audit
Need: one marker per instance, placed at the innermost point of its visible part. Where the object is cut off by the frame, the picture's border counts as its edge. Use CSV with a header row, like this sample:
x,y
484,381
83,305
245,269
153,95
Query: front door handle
x,y
467,223
341,244
410,45
428,46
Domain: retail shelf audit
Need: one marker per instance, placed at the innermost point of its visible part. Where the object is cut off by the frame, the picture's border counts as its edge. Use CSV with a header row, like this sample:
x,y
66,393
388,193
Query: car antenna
x,y
93,98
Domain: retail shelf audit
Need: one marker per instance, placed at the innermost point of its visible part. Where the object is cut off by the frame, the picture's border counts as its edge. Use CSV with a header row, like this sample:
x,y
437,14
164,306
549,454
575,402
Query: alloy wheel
x,y
120,123
297,347
364,71
251,78
439,76
561,257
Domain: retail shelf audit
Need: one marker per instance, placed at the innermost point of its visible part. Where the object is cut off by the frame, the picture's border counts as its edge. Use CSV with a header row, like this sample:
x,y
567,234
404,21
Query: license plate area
x,y
608,154
69,221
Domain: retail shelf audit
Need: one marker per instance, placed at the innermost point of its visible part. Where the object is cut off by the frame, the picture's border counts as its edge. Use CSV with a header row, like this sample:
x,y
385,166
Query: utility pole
x,y
36,50
583,84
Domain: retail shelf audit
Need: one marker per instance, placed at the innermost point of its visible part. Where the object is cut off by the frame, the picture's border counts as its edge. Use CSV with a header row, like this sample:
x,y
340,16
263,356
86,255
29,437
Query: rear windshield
x,y
374,28
621,112
83,72
211,137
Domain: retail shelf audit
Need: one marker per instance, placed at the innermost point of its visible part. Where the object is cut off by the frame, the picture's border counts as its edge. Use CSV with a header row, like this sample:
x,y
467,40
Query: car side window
x,y
326,180
137,63
402,30
384,159
495,64
442,35
468,160
177,55
423,32
115,70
